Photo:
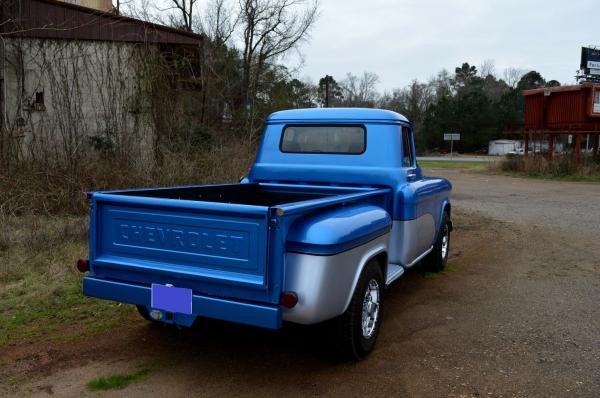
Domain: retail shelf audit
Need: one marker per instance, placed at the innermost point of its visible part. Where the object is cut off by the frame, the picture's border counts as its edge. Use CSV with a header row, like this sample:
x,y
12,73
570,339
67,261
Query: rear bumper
x,y
233,311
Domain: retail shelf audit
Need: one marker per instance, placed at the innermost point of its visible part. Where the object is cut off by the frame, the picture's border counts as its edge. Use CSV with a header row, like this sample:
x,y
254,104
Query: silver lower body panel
x,y
325,284
411,239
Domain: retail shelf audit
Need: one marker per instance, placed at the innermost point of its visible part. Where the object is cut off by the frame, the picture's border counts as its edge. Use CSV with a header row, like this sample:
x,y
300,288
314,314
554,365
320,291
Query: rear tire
x,y
143,310
438,258
356,330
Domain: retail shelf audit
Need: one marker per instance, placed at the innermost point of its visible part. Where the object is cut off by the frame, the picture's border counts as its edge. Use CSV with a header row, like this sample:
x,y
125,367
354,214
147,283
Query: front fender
x,y
444,206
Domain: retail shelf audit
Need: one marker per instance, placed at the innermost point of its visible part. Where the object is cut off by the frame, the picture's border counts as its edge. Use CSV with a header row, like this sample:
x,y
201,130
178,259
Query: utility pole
x,y
328,80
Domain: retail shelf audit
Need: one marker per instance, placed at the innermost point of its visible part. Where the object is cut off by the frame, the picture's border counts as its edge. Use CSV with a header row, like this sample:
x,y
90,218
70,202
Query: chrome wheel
x,y
370,309
445,241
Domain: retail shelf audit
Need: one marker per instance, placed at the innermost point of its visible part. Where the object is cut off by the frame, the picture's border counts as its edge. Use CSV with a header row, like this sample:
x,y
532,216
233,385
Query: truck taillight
x,y
83,265
289,299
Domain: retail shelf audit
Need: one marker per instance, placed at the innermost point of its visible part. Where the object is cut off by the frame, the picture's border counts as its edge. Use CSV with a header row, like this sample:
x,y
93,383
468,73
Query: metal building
x,y
70,73
569,110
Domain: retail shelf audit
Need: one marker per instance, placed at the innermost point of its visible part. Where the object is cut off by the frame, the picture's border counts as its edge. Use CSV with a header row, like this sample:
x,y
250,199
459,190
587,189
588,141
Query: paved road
x,y
459,159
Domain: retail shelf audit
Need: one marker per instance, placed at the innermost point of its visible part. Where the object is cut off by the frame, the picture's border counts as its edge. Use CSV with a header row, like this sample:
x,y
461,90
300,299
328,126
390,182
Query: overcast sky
x,y
401,40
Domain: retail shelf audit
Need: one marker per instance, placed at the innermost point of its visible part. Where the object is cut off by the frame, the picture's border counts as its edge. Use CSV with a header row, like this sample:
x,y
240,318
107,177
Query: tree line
x,y
475,103
244,77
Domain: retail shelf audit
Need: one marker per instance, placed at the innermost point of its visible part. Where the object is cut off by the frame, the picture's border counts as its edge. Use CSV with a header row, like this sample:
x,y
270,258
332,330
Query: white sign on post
x,y
451,137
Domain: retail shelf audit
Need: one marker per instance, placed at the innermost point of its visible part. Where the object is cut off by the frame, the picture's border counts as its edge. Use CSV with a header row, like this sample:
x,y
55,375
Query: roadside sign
x,y
451,137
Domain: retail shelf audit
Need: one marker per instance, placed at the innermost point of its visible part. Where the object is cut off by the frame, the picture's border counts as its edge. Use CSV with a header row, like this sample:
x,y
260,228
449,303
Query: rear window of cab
x,y
346,140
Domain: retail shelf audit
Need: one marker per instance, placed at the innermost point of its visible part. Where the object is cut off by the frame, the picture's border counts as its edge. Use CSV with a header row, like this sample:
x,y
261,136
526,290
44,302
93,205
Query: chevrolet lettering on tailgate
x,y
186,239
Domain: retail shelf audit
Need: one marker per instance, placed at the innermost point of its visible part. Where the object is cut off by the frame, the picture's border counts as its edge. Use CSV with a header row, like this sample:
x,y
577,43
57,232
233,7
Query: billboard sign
x,y
590,60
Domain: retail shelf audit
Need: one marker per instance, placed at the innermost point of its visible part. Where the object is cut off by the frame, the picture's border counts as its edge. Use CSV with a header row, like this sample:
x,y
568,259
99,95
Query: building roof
x,y
51,19
559,89
502,142
338,114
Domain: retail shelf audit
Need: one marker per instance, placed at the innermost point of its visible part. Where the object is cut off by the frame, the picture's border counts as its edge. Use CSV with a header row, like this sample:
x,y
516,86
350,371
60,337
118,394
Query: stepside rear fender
x,y
325,284
327,252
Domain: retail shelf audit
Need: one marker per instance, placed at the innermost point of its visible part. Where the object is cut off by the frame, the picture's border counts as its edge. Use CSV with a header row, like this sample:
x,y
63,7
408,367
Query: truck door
x,y
425,202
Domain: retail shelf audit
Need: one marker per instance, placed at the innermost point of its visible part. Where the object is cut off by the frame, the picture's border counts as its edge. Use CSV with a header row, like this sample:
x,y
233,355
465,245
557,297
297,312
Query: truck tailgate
x,y
217,249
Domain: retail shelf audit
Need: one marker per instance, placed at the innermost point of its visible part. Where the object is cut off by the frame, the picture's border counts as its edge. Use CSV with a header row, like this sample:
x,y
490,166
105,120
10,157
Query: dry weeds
x,y
36,188
561,167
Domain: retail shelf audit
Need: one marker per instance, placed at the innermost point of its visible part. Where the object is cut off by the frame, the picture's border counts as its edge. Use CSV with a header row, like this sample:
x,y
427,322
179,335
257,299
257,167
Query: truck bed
x,y
243,194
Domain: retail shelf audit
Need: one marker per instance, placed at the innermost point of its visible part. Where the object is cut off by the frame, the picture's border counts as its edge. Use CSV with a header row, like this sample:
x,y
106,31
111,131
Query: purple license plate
x,y
172,299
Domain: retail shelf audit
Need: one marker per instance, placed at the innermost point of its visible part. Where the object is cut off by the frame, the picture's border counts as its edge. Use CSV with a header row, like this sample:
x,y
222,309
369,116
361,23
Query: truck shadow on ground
x,y
211,340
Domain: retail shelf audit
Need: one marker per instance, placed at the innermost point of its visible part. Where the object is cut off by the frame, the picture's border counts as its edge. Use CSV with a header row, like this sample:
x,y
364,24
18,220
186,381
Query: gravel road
x,y
562,206
516,314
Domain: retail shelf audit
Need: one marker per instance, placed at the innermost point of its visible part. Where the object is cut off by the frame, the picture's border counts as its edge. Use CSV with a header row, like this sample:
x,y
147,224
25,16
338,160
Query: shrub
x,y
560,166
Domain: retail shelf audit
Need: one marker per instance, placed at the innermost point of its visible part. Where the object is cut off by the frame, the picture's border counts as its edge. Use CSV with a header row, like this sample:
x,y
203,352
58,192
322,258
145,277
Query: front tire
x,y
358,327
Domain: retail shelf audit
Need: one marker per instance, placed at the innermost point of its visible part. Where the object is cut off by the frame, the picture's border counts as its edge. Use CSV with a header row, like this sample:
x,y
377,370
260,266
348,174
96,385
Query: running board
x,y
421,257
394,272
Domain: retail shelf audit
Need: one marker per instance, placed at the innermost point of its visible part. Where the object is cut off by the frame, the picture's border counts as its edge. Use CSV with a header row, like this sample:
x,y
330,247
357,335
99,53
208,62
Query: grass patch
x,y
543,176
54,311
452,165
40,290
450,267
116,381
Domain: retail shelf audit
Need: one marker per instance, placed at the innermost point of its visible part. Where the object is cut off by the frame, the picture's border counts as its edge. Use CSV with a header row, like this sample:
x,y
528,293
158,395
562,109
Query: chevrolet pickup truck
x,y
334,209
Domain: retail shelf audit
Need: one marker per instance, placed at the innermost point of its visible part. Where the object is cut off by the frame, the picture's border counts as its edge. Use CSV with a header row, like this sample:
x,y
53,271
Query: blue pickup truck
x,y
333,210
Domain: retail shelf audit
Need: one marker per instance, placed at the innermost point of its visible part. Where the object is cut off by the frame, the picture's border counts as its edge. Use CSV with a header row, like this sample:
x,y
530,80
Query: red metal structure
x,y
573,110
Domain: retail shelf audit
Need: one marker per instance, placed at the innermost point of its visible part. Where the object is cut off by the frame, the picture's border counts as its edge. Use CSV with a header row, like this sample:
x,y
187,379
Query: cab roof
x,y
336,114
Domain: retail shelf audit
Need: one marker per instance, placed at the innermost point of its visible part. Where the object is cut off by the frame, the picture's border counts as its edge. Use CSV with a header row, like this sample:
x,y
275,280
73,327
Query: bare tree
x,y
119,5
360,91
512,76
219,21
186,10
441,84
411,101
139,9
487,68
269,29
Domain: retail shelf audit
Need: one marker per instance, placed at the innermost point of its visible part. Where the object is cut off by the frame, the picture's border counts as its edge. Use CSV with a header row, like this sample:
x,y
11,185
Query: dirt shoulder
x,y
516,314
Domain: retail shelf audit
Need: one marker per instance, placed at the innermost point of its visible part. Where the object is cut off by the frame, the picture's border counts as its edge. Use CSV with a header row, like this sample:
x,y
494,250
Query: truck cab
x,y
333,210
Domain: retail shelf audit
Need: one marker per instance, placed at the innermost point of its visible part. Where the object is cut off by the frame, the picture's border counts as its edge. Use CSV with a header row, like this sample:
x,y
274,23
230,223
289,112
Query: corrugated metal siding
x,y
534,105
56,20
567,109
